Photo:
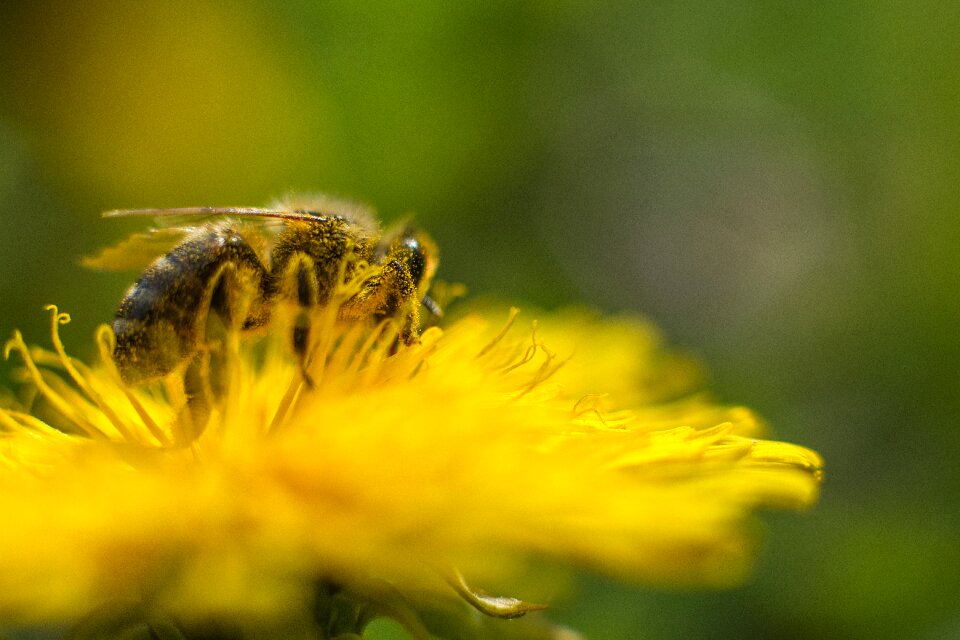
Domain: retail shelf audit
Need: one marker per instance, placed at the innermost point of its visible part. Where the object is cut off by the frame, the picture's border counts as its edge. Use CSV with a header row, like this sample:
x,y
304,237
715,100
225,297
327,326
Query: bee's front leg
x,y
390,293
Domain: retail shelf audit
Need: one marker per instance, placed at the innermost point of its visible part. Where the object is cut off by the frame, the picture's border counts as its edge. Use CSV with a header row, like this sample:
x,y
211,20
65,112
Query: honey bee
x,y
230,268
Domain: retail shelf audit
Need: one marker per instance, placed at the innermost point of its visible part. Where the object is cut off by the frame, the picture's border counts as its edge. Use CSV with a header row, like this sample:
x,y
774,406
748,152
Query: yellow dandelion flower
x,y
376,489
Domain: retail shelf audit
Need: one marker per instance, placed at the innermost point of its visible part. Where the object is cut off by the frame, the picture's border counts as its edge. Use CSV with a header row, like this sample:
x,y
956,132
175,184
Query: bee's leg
x,y
299,282
402,301
232,299
199,394
232,302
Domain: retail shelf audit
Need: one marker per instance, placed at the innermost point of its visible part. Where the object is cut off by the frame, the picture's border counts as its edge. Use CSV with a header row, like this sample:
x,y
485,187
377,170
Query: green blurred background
x,y
775,185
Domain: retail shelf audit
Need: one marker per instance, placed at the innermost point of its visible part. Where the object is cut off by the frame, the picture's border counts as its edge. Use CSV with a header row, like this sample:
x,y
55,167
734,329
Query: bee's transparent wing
x,y
137,251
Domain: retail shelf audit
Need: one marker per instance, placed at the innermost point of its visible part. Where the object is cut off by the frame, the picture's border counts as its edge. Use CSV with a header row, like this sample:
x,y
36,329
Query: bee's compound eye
x,y
416,258
413,249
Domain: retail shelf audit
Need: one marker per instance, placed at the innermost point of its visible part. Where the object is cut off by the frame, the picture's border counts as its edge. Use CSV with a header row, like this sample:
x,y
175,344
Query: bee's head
x,y
414,249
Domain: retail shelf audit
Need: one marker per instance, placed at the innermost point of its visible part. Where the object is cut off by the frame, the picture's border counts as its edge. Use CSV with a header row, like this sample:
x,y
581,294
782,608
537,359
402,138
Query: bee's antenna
x,y
432,306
